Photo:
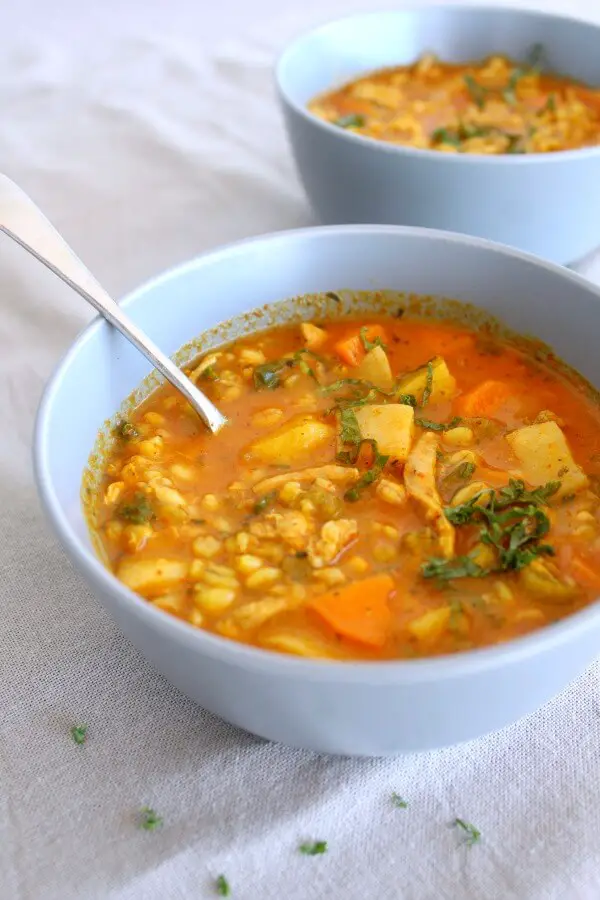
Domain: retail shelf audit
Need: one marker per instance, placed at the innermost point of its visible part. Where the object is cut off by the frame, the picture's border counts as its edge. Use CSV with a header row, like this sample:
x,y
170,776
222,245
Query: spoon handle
x,y
22,221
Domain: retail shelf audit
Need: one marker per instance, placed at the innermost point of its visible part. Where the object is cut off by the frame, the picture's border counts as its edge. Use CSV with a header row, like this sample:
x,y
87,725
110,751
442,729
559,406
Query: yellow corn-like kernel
x,y
136,536
206,546
197,569
290,492
242,540
358,565
391,492
231,393
263,577
113,530
221,580
246,564
503,591
154,418
251,357
196,618
183,473
384,552
209,501
469,491
214,599
113,492
265,418
331,576
151,448
459,437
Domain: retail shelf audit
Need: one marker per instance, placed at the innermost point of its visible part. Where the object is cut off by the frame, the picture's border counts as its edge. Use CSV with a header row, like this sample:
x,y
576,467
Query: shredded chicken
x,y
335,536
337,474
419,478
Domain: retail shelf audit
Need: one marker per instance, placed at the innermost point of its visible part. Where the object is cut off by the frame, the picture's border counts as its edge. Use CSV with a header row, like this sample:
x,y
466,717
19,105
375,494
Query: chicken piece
x,y
335,536
337,474
291,526
419,478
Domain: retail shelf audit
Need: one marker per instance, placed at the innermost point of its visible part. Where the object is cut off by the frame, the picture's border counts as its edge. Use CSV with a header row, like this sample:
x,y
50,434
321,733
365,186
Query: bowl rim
x,y
507,159
388,672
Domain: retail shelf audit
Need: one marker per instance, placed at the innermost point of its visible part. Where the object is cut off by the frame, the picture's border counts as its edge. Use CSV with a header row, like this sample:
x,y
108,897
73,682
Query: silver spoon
x,y
22,221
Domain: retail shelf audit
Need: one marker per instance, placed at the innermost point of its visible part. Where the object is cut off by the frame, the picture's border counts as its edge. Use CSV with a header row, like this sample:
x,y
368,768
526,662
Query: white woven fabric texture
x,y
148,132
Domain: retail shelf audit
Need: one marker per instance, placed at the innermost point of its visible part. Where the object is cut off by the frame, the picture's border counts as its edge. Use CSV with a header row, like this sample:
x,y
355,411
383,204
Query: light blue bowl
x,y
348,708
543,203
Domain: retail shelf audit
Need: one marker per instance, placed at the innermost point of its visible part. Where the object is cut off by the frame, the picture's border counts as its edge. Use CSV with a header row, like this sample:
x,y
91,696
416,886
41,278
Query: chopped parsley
x,y
223,887
149,819
350,431
137,511
313,848
350,121
438,426
367,344
209,374
78,733
465,470
398,801
428,385
268,375
368,477
472,834
477,91
127,431
448,569
264,502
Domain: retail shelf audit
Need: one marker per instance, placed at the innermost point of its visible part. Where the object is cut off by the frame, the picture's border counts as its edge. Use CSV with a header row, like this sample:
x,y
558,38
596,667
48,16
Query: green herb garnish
x,y
313,848
350,431
367,344
438,426
398,801
268,375
428,384
264,502
477,91
407,399
149,820
446,136
223,888
368,477
465,470
126,431
448,569
78,733
353,120
209,374
472,834
515,492
138,510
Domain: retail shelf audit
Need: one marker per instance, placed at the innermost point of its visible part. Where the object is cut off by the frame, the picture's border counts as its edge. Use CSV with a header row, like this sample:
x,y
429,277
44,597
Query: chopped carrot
x,y
351,350
485,399
584,573
358,611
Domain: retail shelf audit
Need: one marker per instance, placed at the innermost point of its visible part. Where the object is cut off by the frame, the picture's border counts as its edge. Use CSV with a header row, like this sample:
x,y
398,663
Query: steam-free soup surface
x,y
386,489
494,106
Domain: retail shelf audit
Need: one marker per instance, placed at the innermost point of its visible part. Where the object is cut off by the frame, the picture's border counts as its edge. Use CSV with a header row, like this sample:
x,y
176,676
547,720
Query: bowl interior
x,y
102,369
336,53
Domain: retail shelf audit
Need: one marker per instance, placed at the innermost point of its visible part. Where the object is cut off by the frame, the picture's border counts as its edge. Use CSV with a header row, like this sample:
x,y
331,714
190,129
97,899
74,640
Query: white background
x,y
148,133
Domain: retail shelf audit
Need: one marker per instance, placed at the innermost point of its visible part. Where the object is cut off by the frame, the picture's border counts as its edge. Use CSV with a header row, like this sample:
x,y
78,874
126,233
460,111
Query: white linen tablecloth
x,y
148,132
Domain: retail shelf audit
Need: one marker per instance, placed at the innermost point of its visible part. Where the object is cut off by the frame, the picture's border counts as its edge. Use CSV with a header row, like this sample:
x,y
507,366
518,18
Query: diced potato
x,y
298,644
252,615
430,625
297,439
314,337
152,577
443,384
541,578
459,437
544,455
375,368
391,425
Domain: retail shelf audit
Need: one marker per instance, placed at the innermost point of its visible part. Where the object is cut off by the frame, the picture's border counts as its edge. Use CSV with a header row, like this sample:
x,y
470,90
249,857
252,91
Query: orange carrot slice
x,y
485,399
351,350
358,611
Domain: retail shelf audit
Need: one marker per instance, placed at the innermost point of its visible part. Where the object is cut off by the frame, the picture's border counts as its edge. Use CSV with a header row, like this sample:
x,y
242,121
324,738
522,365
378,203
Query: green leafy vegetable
x,y
549,105
78,733
149,820
515,492
351,121
313,848
398,801
367,344
510,91
472,834
223,887
264,502
350,431
447,136
368,477
477,91
536,57
438,426
127,431
448,569
138,510
209,374
428,385
465,470
407,399
268,375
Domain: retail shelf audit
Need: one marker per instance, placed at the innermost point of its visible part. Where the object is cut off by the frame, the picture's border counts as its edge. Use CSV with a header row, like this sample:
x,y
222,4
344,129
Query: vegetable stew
x,y
494,106
386,488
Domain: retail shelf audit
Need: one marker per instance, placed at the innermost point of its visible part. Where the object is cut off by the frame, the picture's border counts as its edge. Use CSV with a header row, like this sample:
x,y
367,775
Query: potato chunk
x,y
544,455
391,425
443,384
296,440
151,577
375,368
430,625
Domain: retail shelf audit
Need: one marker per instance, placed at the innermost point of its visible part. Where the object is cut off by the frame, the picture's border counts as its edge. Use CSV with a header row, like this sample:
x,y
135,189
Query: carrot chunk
x,y
485,399
351,350
584,573
358,611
